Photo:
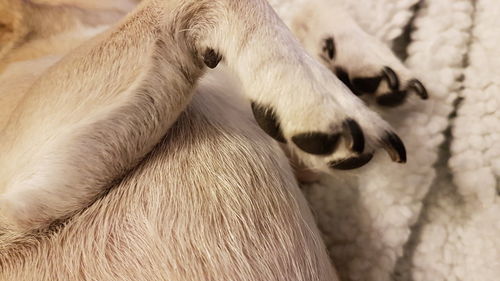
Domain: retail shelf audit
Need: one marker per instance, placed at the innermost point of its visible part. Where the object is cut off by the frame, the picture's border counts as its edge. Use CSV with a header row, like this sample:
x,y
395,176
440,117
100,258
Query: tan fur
x,y
213,199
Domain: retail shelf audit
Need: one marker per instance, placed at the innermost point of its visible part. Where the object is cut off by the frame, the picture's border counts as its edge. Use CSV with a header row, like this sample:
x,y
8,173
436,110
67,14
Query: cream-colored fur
x,y
114,167
214,200
190,211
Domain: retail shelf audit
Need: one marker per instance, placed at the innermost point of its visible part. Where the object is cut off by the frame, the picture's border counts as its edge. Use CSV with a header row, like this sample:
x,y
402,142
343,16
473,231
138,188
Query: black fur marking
x,y
344,77
211,58
391,77
329,48
317,143
392,99
351,163
418,87
367,85
267,120
354,136
395,147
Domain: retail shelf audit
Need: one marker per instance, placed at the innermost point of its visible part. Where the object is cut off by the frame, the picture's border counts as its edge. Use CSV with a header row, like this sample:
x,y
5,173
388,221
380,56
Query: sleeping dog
x,y
124,156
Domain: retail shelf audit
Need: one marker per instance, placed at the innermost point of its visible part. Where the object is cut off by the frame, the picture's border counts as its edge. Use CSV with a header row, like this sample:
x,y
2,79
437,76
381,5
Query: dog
x,y
124,157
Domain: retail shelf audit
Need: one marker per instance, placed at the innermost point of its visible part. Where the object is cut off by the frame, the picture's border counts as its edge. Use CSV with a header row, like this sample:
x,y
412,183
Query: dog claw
x,y
354,136
352,163
395,148
418,87
391,77
211,58
317,143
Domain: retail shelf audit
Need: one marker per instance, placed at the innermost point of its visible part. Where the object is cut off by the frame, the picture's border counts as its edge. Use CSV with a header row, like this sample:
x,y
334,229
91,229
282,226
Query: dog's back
x,y
215,200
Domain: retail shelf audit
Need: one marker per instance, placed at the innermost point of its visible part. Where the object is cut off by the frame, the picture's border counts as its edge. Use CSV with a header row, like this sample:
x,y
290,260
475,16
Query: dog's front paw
x,y
323,123
371,70
363,63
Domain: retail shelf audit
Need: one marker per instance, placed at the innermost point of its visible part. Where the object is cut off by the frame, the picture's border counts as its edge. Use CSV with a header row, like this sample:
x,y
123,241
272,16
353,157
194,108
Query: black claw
x,y
351,163
212,58
329,48
391,77
354,136
366,85
395,147
418,87
344,77
392,99
266,118
317,143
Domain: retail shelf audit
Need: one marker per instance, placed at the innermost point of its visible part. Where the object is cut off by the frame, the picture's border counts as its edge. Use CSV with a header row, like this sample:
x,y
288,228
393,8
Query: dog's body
x,y
88,137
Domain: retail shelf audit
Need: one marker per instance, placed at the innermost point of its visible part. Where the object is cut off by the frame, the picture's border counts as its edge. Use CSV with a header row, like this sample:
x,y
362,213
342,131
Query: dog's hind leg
x,y
215,200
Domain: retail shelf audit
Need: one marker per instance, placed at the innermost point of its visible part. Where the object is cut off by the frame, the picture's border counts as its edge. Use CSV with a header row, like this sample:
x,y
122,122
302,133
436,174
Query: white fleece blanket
x,y
438,217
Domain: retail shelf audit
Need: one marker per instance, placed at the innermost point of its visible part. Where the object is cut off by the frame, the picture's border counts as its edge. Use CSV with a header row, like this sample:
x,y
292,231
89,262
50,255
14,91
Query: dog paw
x,y
323,124
363,63
371,71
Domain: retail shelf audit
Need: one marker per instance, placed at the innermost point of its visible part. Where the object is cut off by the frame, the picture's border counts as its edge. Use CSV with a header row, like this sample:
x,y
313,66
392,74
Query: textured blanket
x,y
438,217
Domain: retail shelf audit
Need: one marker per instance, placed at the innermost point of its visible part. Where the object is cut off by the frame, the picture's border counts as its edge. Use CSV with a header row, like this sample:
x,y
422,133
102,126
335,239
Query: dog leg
x,y
94,115
215,200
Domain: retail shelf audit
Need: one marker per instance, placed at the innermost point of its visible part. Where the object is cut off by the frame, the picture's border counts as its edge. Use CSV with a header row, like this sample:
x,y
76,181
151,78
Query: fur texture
x,y
186,211
88,145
